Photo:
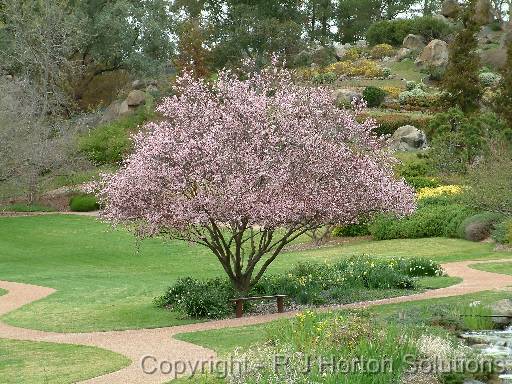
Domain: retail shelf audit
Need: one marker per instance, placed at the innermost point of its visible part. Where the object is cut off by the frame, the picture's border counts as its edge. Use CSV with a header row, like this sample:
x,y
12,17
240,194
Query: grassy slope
x,y
38,362
103,283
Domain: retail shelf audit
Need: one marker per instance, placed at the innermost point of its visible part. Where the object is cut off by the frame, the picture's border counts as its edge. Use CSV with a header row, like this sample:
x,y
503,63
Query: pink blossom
x,y
240,157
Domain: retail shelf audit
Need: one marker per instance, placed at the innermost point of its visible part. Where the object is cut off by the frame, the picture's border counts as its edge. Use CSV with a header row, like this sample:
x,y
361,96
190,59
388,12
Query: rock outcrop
x,y
413,42
435,55
408,138
450,9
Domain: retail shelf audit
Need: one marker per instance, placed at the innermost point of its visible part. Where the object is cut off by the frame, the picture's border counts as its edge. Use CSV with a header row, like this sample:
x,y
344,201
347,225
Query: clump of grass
x,y
476,316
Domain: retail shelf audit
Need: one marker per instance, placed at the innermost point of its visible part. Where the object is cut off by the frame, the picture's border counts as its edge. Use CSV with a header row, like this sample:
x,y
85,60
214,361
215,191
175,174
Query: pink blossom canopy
x,y
260,150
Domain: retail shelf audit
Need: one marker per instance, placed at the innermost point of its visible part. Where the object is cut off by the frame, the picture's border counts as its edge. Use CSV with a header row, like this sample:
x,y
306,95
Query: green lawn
x,y
504,268
39,362
406,70
103,283
2,291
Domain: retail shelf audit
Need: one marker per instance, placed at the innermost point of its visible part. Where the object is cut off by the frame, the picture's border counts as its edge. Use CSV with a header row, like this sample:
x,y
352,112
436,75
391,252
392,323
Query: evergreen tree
x,y
461,81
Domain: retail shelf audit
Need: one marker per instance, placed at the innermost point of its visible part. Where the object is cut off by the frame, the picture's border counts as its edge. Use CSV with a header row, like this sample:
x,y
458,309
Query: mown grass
x,y
104,281
30,362
21,207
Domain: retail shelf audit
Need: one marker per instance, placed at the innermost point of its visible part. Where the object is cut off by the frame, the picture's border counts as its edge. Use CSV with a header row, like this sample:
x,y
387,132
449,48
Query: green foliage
x,y
459,139
490,181
306,283
324,78
461,80
480,226
476,317
390,122
427,221
83,203
351,230
393,32
418,97
489,79
374,96
199,299
107,144
503,232
342,337
503,99
382,50
414,167
419,182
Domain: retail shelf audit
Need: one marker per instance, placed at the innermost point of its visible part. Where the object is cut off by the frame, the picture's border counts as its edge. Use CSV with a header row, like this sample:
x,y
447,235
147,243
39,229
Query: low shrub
x,y
364,67
427,221
324,78
419,267
83,203
392,91
502,234
374,96
420,182
351,230
382,50
439,191
199,299
415,167
306,283
480,226
418,98
388,123
489,79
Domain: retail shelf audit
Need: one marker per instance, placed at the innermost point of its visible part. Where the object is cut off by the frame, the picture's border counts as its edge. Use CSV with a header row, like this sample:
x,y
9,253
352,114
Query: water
x,y
497,344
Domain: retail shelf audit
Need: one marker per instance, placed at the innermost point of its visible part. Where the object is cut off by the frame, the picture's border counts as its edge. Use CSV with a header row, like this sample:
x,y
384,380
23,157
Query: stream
x,y
496,344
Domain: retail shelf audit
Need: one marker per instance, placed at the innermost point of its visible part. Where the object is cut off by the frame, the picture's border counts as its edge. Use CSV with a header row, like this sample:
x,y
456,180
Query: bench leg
x,y
280,304
239,308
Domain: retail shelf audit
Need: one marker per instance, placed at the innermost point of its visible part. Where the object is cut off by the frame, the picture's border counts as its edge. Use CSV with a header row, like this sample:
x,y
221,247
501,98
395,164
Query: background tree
x,y
192,56
503,101
66,44
247,166
461,81
33,145
256,29
353,17
490,181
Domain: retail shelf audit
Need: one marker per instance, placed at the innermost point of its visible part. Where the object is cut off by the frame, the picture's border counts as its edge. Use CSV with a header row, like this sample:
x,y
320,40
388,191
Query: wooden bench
x,y
240,302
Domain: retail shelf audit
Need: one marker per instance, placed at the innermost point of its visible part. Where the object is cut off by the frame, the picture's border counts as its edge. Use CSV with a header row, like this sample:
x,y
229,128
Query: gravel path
x,y
160,344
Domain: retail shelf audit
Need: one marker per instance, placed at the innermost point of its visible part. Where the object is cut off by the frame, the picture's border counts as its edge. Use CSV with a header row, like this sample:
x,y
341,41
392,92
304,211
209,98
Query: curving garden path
x,y
159,342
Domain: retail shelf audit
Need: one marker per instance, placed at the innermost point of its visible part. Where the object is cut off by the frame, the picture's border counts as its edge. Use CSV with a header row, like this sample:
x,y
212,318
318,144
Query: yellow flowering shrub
x,y
393,91
364,67
352,54
439,191
382,50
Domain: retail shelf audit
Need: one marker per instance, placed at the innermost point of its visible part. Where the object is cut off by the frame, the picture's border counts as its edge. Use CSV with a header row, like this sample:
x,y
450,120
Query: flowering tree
x,y
245,166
